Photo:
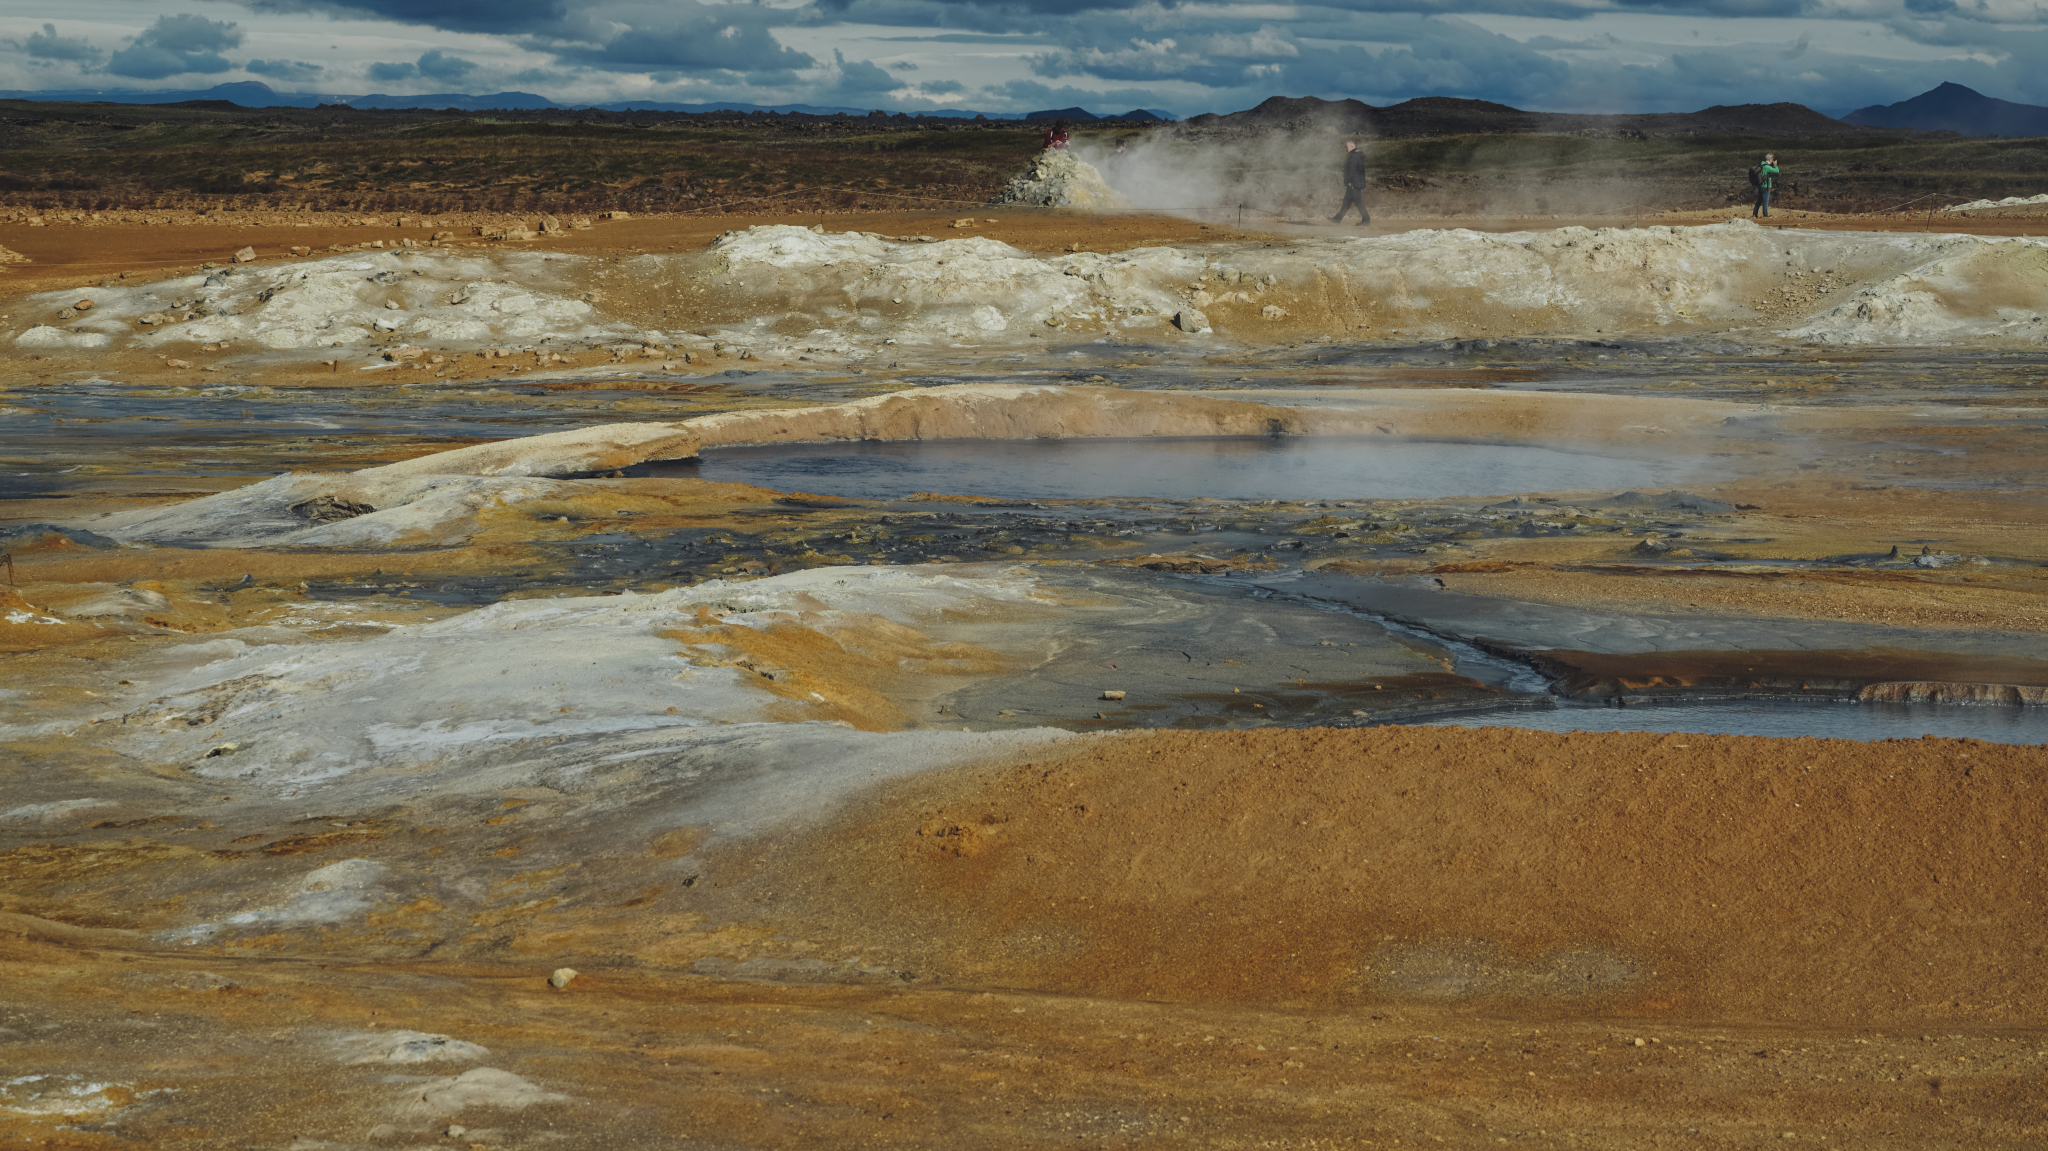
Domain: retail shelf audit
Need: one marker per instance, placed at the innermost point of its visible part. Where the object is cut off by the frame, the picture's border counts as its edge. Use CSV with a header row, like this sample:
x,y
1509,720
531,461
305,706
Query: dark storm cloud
x,y
503,17
47,45
286,70
392,73
1725,8
438,66
1433,57
862,78
175,45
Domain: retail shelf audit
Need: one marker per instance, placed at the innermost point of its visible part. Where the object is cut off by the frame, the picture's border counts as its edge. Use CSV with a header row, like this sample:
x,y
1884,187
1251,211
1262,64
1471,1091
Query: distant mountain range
x,y
1447,116
1084,116
1954,108
1948,108
253,94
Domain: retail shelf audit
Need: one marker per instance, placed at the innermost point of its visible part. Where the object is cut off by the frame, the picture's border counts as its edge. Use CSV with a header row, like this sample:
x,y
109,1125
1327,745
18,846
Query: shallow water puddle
x,y
1291,467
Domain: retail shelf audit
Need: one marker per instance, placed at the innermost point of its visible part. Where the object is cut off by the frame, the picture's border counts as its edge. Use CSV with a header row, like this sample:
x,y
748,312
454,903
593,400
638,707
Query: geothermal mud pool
x,y
831,687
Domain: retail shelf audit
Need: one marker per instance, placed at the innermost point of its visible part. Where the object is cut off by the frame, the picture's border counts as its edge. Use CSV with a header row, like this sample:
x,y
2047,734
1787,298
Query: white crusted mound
x,y
1972,291
410,511
488,688
1059,179
2008,202
973,289
1458,282
806,291
45,336
342,301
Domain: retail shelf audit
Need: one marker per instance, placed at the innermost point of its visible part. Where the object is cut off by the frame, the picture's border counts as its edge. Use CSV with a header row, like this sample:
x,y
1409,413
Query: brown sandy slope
x,y
1263,939
1638,874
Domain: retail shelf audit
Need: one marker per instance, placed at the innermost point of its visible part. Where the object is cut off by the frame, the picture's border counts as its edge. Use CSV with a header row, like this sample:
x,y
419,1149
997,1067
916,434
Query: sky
x,y
1025,55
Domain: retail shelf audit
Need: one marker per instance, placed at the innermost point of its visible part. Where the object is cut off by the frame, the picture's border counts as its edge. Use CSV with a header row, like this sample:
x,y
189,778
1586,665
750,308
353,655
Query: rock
x,y
301,250
562,977
455,1129
401,355
83,305
152,319
1112,695
176,364
1272,312
246,256
330,509
1192,322
614,215
551,226
1059,179
964,223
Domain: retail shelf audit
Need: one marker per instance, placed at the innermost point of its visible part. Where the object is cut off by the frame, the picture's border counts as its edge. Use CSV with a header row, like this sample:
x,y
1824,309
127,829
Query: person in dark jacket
x,y
1354,185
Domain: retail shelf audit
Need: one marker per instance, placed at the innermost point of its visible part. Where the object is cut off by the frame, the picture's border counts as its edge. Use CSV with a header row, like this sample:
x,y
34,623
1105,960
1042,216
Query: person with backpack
x,y
1761,178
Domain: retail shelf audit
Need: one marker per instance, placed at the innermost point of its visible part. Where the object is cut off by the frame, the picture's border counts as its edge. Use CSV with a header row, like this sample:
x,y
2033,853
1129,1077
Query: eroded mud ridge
x,y
830,688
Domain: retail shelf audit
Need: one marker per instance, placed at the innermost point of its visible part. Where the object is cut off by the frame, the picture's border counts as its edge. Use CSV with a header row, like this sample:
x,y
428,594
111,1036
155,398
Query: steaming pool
x,y
1247,467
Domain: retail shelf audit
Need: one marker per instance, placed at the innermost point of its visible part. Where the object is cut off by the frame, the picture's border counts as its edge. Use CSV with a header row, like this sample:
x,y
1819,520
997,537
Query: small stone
x,y
246,256
455,1129
1112,695
1273,312
968,222
176,364
562,977
83,305
1642,1043
1191,321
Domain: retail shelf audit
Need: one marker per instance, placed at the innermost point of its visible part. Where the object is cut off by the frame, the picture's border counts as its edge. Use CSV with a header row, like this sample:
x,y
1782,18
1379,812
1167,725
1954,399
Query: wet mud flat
x,y
489,777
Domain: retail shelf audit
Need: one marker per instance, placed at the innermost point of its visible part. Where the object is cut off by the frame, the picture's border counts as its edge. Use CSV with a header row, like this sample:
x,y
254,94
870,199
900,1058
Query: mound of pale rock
x,y
1059,179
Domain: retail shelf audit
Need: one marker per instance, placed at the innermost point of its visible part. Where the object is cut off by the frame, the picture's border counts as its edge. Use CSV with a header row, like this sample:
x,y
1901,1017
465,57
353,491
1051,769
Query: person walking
x,y
1765,173
1354,185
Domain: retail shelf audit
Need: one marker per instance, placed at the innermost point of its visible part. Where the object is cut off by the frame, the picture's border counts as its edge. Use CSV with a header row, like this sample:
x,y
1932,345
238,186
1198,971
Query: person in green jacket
x,y
1764,172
